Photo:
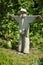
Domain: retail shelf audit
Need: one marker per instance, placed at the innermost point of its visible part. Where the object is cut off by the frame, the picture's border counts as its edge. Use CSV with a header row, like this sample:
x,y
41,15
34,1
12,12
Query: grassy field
x,y
11,57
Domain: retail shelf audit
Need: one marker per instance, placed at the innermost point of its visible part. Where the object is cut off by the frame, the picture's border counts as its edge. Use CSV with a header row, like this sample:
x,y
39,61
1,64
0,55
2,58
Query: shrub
x,y
37,62
8,44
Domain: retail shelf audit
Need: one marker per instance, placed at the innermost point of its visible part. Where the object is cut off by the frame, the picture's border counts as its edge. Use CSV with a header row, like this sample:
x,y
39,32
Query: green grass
x,y
10,57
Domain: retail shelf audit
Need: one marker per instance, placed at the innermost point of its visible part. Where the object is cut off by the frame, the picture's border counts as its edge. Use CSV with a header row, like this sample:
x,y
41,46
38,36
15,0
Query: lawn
x,y
11,57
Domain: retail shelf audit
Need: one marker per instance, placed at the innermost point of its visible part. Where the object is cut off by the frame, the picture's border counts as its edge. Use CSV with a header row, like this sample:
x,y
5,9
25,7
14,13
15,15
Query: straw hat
x,y
23,10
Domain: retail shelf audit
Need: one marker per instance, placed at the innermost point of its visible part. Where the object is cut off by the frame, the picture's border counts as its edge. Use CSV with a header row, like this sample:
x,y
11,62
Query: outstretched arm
x,y
39,16
15,17
31,18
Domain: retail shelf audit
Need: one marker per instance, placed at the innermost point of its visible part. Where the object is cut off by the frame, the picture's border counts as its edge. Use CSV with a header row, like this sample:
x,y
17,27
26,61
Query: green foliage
x,y
36,34
36,63
8,44
9,27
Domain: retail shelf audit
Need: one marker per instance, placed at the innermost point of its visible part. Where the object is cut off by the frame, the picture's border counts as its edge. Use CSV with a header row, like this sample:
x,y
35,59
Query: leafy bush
x,y
37,62
8,44
36,34
9,27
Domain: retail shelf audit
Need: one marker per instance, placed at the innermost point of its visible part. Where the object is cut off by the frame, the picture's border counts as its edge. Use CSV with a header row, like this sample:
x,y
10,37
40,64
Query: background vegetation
x,y
9,27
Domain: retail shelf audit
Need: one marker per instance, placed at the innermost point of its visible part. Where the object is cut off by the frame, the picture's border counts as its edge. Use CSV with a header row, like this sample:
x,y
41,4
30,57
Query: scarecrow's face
x,y
23,14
